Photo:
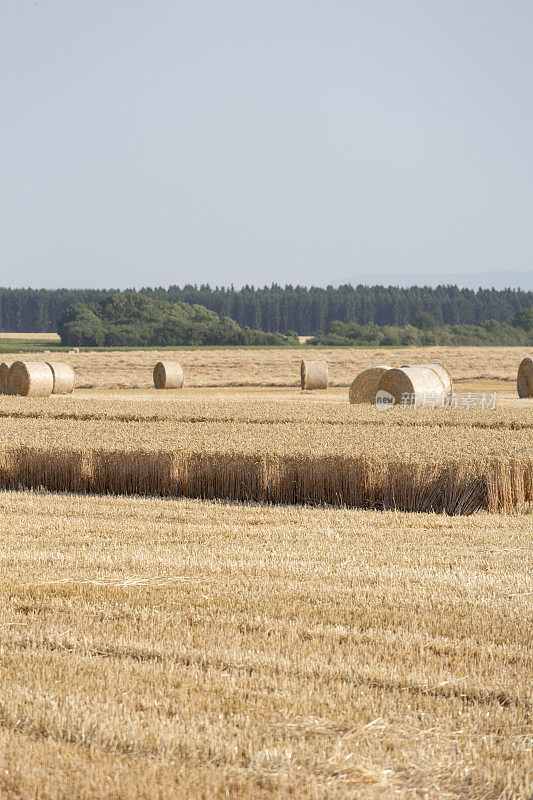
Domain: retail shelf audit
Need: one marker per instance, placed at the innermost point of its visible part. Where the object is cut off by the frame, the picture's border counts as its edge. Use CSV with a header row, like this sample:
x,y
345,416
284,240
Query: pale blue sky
x,y
164,141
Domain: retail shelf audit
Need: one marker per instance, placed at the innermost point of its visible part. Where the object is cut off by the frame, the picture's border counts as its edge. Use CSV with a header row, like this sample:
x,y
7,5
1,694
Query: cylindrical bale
x,y
314,375
441,371
415,383
4,372
31,378
63,377
524,380
168,375
365,385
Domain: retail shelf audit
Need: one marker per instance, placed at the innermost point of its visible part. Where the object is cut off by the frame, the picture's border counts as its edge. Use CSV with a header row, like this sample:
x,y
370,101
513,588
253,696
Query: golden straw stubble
x,y
200,649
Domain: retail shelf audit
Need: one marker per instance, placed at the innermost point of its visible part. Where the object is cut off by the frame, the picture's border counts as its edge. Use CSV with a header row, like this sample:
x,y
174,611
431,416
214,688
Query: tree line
x,y
425,333
278,309
132,320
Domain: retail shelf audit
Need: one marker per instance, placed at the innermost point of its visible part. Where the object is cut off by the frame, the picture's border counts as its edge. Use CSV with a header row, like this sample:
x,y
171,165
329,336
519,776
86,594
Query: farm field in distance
x,y
159,648
486,367
53,337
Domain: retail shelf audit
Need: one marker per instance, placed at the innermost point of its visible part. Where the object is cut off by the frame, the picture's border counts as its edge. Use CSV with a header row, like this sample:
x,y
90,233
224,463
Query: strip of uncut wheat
x,y
356,430
451,487
296,451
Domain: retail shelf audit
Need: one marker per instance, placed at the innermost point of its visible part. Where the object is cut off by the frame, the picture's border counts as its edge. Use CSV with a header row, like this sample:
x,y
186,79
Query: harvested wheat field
x,y
160,648
494,367
312,640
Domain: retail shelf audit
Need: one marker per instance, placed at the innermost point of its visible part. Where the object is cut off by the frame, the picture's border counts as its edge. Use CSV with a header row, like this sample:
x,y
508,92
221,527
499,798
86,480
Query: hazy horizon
x,y
306,143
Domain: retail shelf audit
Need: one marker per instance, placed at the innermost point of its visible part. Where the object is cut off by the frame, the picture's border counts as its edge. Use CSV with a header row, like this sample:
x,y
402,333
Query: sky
x,y
309,142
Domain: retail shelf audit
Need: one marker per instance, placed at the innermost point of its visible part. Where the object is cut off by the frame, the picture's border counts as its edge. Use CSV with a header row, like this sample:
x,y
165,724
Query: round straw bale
x,y
524,380
63,377
415,382
4,371
365,385
168,375
31,378
314,375
443,374
441,371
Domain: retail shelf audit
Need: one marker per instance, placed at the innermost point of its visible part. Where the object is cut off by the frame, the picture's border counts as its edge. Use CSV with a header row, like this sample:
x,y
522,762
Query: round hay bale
x,y
31,378
441,371
63,377
415,382
168,375
365,385
443,374
4,371
524,380
314,375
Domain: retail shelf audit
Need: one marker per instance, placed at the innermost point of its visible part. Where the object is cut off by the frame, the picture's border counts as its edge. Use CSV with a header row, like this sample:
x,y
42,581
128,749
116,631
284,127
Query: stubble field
x,y
159,648
173,647
233,367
